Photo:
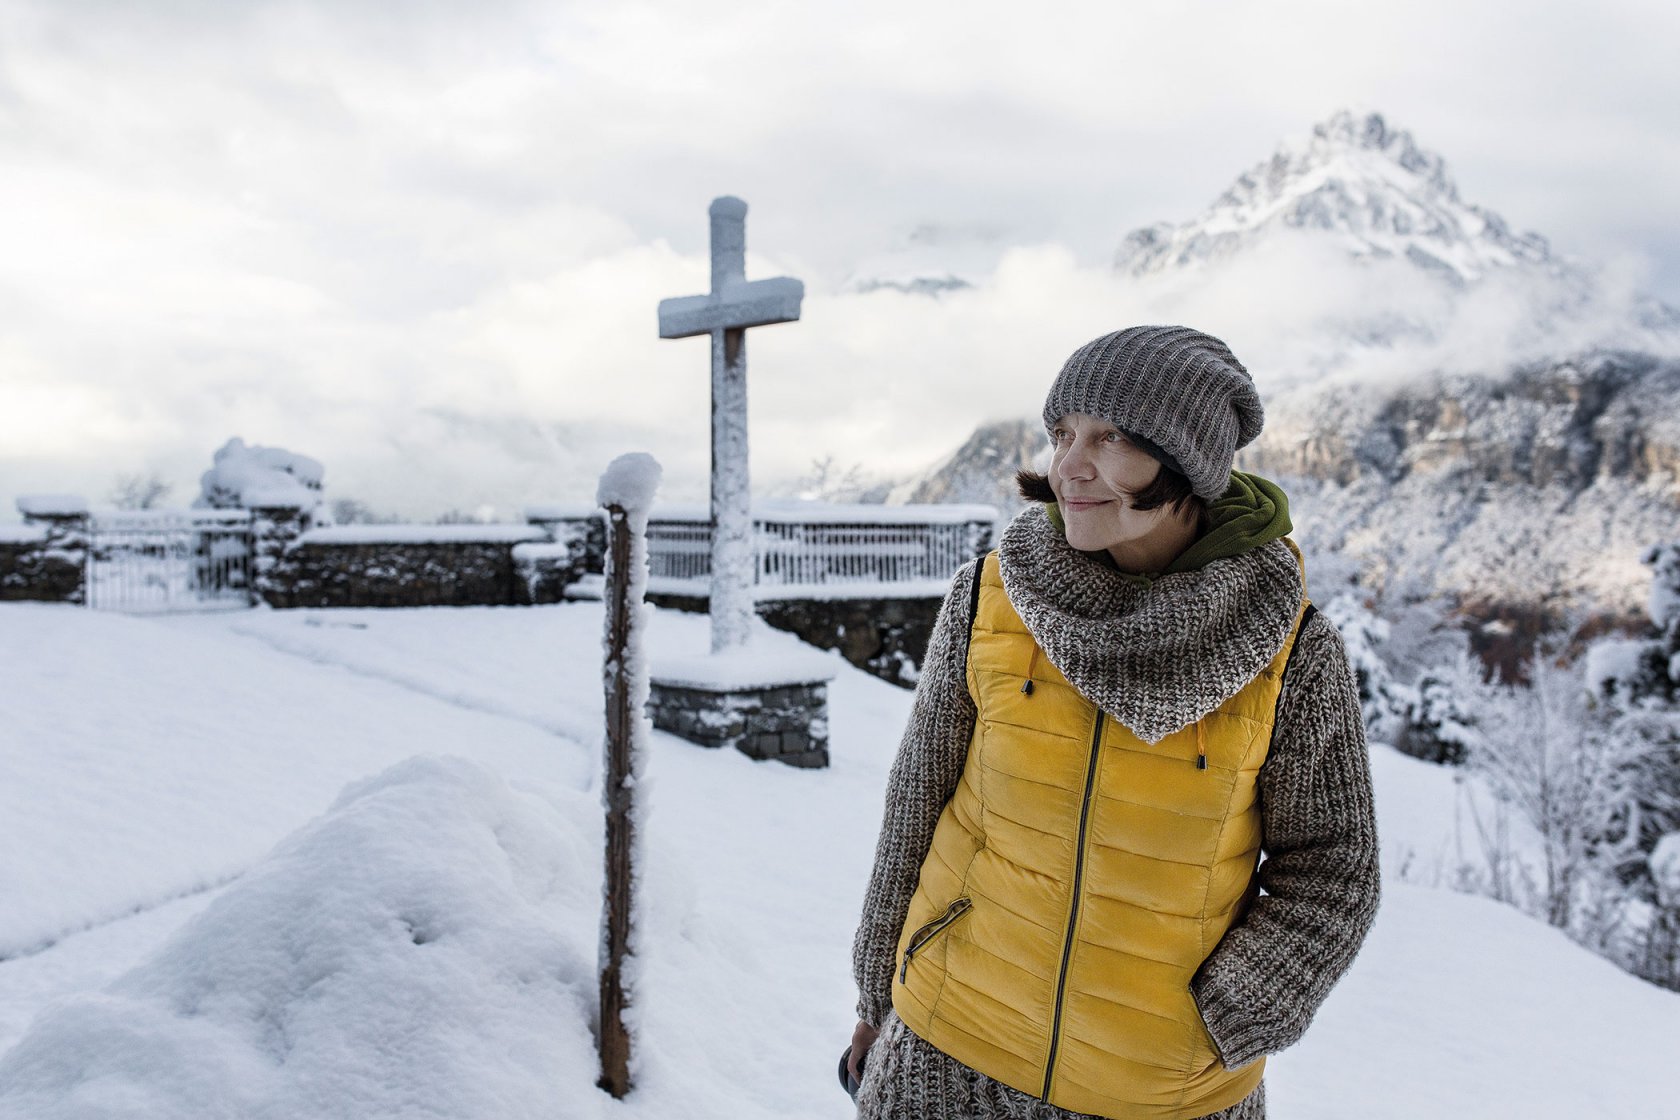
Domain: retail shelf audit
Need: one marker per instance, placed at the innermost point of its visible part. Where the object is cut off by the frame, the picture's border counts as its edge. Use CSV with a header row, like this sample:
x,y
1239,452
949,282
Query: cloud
x,y
428,250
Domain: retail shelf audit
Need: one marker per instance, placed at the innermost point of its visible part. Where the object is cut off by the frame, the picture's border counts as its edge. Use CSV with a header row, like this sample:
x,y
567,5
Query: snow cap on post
x,y
629,482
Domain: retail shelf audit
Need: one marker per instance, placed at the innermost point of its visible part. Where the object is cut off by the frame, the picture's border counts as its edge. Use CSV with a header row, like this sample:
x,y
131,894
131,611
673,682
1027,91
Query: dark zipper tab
x,y
919,939
1073,913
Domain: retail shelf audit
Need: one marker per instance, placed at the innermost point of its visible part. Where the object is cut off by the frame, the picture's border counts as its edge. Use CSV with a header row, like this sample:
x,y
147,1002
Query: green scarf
x,y
1252,511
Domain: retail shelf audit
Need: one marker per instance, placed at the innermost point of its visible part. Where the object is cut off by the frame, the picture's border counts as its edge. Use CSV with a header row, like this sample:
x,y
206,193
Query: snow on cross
x,y
733,305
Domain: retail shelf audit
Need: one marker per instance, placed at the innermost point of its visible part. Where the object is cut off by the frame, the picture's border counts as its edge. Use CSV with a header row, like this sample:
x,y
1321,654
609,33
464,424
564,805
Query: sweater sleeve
x,y
1267,977
924,775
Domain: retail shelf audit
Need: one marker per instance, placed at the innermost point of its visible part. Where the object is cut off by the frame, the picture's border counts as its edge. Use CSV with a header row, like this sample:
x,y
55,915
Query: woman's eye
x,y
1114,437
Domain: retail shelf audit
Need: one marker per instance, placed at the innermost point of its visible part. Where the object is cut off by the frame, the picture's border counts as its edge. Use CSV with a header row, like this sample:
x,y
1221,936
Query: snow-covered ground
x,y
202,920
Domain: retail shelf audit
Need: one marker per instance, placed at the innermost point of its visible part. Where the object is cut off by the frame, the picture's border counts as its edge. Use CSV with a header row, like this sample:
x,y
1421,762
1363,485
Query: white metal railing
x,y
166,560
827,547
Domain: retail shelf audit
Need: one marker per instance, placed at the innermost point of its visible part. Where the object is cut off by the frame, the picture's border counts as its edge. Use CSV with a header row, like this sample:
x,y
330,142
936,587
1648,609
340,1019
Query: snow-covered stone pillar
x,y
733,305
276,524
626,491
57,570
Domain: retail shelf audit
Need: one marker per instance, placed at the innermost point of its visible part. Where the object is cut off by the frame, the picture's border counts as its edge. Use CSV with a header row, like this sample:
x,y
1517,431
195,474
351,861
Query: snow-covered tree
x,y
1548,755
243,477
1444,710
354,511
1633,673
139,491
1637,682
829,480
1661,958
1381,697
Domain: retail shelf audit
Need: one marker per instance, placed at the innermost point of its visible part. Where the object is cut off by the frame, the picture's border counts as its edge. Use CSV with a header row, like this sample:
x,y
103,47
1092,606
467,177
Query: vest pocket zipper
x,y
919,939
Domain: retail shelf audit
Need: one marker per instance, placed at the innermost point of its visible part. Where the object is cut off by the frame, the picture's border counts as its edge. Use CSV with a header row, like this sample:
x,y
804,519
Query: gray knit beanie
x,y
1179,394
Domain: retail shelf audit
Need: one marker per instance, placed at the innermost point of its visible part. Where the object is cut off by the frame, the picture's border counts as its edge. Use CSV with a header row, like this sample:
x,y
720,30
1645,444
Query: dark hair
x,y
1169,489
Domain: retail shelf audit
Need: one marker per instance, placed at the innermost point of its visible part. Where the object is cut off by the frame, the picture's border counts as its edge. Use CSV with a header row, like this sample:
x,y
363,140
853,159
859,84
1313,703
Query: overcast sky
x,y
424,242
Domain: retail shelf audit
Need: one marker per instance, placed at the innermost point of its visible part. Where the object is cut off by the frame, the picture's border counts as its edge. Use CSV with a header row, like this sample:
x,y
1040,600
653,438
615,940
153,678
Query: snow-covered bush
x,y
1635,688
1665,870
1435,717
1553,759
1662,943
1443,711
1645,672
1637,682
245,477
1380,696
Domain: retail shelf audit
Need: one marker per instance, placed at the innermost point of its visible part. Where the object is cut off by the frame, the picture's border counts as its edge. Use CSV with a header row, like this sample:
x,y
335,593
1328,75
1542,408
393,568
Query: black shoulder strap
x,y
1306,617
973,606
1295,644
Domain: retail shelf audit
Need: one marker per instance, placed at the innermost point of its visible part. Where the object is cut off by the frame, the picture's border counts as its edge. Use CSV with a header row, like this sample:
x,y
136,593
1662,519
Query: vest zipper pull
x,y
1201,760
1026,687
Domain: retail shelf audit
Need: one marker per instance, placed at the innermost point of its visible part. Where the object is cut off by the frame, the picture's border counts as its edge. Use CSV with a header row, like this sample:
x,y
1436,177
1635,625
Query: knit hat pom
x,y
1183,391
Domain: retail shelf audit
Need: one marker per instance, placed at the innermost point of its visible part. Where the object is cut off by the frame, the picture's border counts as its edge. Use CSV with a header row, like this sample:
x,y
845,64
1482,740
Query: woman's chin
x,y
1084,542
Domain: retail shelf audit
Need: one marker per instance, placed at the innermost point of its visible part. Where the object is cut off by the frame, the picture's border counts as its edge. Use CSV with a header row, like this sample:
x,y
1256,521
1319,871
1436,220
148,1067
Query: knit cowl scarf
x,y
1156,653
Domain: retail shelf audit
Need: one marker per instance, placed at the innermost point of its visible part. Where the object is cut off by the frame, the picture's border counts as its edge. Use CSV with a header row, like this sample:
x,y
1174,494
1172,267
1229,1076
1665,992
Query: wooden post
x,y
617,796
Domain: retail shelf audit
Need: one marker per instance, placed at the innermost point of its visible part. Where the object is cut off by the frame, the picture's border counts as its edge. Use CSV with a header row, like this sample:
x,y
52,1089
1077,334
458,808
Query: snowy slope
x,y
425,949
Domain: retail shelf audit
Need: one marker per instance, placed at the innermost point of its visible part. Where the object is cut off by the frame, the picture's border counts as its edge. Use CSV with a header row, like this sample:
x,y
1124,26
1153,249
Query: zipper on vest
x,y
1073,913
919,939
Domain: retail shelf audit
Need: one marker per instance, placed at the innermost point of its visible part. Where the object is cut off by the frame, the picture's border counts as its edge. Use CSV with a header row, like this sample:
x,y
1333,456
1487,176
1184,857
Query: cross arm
x,y
745,303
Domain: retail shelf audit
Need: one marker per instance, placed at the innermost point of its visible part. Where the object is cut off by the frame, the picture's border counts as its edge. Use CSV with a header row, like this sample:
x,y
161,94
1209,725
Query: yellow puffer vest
x,y
1077,879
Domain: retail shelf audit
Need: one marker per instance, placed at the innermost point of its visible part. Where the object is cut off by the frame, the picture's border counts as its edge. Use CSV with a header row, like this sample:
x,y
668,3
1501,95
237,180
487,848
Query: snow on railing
x,y
809,546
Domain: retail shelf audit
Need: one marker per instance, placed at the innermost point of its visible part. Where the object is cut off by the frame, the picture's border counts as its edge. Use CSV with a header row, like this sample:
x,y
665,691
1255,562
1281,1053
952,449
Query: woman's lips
x,y
1083,503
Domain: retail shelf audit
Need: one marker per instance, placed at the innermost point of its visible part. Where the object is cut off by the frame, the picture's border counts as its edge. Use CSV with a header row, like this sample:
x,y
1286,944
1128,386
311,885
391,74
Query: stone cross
x,y
725,313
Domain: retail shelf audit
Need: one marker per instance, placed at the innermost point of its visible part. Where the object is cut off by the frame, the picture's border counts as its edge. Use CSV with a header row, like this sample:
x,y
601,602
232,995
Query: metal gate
x,y
169,560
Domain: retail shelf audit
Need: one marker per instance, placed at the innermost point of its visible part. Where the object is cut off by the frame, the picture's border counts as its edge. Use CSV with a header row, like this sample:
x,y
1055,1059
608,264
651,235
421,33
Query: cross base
x,y
784,722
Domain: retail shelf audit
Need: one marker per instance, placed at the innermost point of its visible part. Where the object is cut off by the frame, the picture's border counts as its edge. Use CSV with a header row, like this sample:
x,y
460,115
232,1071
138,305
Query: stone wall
x,y
783,723
317,570
39,571
45,559
497,565
885,637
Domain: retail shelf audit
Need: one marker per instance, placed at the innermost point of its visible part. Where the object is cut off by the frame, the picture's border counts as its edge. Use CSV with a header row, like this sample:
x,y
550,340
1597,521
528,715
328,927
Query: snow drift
x,y
406,954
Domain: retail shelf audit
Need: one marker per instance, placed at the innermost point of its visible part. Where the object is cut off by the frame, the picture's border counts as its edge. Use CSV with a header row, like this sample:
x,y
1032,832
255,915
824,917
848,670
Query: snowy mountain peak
x,y
1358,179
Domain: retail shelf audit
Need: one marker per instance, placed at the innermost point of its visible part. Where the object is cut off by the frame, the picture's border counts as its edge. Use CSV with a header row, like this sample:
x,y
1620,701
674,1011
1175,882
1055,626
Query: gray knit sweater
x,y
1157,655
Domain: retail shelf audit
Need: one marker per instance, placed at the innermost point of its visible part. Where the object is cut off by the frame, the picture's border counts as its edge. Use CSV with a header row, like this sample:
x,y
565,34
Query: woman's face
x,y
1094,471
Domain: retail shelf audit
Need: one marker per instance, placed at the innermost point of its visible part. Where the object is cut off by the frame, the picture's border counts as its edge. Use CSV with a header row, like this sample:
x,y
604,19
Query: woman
x,y
1119,709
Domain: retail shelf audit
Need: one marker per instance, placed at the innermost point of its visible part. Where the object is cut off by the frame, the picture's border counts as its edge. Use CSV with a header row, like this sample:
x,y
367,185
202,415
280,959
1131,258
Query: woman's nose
x,y
1075,462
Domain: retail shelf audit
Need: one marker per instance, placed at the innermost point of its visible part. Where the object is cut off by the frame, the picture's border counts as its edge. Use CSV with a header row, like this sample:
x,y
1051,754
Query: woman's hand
x,y
862,1039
